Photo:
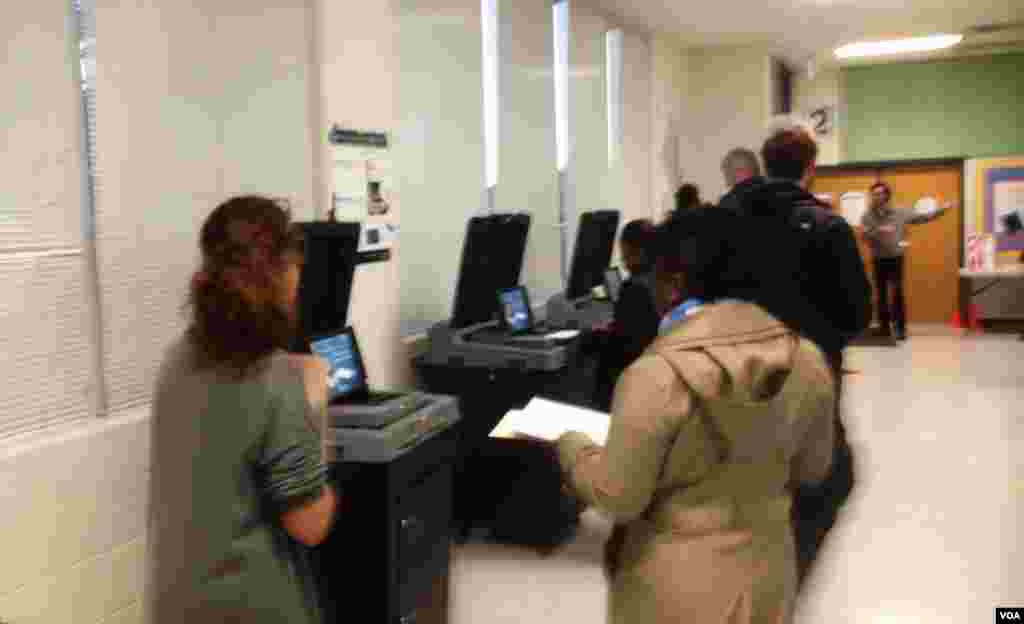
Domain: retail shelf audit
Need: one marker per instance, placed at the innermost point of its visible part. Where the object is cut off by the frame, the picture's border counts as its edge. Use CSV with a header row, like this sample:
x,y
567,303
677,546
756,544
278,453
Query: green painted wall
x,y
967,107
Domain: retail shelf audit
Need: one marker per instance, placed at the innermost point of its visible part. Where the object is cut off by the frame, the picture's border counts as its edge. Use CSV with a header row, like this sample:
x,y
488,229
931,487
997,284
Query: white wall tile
x,y
84,594
76,528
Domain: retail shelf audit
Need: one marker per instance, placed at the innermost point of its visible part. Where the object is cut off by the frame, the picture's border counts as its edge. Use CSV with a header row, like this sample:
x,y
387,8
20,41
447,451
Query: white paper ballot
x,y
565,334
549,419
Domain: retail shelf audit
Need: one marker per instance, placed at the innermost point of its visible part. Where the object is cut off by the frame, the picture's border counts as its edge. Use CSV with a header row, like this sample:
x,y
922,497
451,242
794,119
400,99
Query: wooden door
x,y
933,257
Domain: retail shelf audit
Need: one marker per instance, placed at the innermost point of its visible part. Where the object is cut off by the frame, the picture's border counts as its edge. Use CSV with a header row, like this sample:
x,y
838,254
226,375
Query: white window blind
x,y
191,120
86,15
560,36
560,67
613,71
46,342
492,127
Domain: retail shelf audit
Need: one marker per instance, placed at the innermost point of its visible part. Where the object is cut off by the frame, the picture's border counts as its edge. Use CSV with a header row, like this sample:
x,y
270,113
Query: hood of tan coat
x,y
734,351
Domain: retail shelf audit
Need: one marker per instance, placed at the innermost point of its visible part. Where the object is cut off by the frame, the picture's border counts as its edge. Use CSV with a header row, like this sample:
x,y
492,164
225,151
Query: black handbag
x,y
536,510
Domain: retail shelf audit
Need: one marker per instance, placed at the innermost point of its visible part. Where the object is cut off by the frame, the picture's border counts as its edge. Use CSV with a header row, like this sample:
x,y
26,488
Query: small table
x,y
996,276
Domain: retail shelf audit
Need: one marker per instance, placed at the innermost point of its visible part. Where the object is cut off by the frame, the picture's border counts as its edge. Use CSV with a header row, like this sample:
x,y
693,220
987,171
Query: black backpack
x,y
534,509
786,239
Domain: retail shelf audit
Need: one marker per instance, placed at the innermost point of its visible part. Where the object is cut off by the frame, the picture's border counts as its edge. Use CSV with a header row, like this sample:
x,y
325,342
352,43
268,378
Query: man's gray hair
x,y
737,160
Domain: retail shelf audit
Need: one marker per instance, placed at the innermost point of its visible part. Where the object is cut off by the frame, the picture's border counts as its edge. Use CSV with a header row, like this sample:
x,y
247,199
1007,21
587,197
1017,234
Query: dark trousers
x,y
889,272
815,508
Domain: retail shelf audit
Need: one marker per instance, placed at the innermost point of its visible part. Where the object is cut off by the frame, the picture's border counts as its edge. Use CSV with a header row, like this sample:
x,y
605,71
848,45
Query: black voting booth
x,y
492,259
595,241
511,489
325,286
389,549
592,254
476,335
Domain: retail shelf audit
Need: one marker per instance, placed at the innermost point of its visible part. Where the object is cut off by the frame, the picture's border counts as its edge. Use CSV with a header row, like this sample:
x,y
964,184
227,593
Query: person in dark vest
x,y
800,262
635,319
687,197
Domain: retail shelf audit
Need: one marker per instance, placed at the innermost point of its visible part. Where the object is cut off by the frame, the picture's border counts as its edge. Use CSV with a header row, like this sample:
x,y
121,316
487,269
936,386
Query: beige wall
x,y
637,84
704,102
671,107
731,92
357,47
825,89
439,149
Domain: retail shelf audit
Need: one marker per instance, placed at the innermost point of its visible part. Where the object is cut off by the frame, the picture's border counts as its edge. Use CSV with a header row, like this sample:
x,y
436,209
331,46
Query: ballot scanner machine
x,y
483,330
363,425
578,307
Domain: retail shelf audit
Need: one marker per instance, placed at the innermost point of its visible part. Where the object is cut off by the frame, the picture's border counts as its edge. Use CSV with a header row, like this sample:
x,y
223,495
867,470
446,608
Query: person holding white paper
x,y
711,427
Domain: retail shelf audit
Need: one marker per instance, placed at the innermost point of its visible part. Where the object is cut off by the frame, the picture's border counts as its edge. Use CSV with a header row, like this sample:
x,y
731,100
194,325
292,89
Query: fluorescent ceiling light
x,y
898,46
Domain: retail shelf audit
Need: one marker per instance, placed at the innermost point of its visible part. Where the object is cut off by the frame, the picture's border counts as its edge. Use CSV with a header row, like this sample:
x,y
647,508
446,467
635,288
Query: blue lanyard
x,y
679,313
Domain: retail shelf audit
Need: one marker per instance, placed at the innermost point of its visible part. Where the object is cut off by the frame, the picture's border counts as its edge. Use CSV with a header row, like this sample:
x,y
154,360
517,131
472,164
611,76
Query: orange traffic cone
x,y
972,322
956,322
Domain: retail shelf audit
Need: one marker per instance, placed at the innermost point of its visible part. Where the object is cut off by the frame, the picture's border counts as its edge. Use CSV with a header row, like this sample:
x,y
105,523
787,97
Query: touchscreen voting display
x,y
346,373
515,309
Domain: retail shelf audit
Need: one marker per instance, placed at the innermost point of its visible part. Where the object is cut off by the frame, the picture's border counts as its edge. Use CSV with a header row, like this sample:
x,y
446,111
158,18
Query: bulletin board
x,y
997,186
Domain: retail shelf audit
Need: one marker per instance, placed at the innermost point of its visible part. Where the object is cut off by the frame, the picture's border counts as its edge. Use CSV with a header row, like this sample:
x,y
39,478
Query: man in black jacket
x,y
635,319
799,261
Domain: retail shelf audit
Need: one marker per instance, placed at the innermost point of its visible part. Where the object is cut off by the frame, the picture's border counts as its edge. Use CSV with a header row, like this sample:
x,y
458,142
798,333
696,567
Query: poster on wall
x,y
362,183
999,201
1007,205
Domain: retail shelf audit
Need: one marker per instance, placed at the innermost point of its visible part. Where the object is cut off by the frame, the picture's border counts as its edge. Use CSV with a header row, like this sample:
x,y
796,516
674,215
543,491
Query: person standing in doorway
x,y
884,227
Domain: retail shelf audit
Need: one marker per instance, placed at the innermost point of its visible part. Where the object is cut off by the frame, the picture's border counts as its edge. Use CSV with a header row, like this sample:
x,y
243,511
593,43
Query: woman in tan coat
x,y
711,427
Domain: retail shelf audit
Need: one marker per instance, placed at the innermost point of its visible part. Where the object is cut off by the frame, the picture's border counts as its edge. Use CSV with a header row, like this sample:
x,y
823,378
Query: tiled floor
x,y
933,534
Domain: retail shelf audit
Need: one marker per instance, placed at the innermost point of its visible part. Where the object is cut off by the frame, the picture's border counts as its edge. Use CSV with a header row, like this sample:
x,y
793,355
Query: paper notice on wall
x,y
1007,199
379,183
363,185
349,183
852,207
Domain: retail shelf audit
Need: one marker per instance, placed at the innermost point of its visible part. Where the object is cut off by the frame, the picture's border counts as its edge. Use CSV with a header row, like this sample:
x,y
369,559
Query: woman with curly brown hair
x,y
239,486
